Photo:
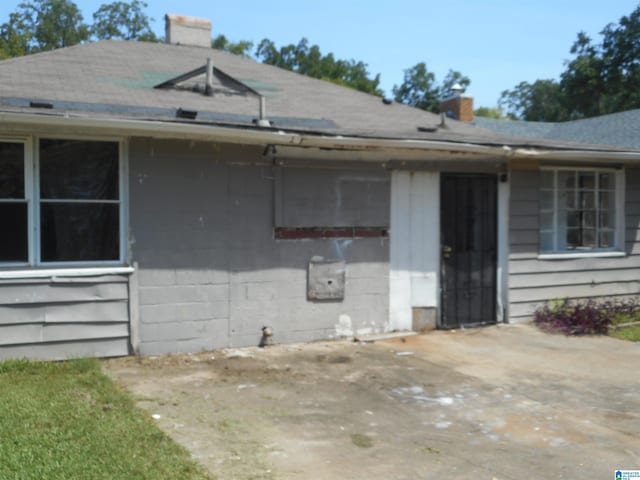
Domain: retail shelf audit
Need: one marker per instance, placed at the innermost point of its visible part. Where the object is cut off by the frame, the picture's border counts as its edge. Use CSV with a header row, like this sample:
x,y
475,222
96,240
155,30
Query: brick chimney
x,y
458,106
183,30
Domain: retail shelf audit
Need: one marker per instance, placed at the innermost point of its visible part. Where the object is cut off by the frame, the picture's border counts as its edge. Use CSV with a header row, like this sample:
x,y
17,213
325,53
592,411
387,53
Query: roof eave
x,y
26,123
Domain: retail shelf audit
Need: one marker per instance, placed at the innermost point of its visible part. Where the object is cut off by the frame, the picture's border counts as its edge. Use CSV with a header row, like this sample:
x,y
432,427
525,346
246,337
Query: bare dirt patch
x,y
490,403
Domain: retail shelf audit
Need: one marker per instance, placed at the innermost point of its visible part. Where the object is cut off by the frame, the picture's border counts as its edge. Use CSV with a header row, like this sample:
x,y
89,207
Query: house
x,y
619,129
162,198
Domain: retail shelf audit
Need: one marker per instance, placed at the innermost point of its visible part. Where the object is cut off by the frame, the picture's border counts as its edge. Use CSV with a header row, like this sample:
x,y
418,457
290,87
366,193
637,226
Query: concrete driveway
x,y
505,402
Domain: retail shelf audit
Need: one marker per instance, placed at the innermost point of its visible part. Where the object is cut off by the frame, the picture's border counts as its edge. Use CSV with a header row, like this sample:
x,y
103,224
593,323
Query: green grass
x,y
69,421
627,333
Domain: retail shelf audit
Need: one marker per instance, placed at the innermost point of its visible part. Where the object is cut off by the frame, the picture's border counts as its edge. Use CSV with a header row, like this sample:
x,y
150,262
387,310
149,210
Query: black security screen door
x,y
469,247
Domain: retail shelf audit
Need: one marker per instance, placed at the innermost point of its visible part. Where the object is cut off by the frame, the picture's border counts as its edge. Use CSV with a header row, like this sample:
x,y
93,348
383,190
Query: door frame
x,y
496,279
411,282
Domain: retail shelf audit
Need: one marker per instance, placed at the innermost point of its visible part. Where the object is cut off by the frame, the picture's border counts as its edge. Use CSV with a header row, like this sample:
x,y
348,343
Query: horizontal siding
x,y
38,333
62,292
66,350
88,312
541,294
535,265
64,318
534,281
558,279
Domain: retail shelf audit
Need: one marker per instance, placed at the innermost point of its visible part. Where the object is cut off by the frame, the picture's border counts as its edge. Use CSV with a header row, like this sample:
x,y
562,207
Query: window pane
x,y
606,200
14,239
79,232
607,219
586,200
568,198
588,237
589,219
546,179
572,218
72,169
606,239
573,238
587,180
606,181
11,170
566,180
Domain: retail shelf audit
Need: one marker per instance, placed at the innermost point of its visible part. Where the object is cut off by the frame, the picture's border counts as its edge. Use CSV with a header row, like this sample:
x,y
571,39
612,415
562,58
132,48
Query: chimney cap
x,y
457,89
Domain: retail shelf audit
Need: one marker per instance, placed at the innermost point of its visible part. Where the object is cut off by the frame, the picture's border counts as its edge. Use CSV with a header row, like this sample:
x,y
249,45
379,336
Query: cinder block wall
x,y
211,273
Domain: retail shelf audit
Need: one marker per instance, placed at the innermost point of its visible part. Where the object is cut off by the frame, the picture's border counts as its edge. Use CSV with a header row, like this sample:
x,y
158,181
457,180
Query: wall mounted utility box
x,y
326,279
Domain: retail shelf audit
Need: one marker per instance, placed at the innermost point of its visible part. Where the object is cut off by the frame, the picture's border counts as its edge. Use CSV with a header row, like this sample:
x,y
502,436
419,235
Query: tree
x,y
15,37
451,78
619,54
600,78
489,112
418,88
540,101
121,20
50,24
582,82
242,48
309,60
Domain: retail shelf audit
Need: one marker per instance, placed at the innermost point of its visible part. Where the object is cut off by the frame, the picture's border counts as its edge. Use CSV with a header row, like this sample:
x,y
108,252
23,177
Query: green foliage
x,y
242,48
51,24
67,420
121,20
631,333
540,101
599,79
309,60
40,25
450,79
489,112
15,37
419,87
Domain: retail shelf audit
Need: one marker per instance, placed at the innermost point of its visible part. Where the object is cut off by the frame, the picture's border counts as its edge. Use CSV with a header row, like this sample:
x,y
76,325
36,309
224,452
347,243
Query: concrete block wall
x,y
211,274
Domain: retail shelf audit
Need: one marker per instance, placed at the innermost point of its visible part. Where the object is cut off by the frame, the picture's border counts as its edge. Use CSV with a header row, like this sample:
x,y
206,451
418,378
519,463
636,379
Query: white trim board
x,y
415,245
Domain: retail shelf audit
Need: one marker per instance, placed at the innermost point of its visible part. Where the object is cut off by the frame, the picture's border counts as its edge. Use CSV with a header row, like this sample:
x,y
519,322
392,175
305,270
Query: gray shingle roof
x,y
618,129
116,79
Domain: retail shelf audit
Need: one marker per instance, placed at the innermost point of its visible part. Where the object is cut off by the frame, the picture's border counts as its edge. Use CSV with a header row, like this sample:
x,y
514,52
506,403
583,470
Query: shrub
x,y
586,317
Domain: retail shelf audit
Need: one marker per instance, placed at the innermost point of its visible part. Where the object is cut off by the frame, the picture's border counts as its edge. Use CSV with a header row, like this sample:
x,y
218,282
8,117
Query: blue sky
x,y
497,43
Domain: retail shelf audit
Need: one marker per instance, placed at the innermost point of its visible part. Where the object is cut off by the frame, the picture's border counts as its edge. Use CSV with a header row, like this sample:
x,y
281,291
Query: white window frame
x,y
619,231
32,197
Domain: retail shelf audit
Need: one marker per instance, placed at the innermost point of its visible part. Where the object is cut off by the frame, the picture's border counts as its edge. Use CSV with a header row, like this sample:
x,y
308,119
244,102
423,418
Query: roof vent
x,y
188,114
263,121
36,104
183,30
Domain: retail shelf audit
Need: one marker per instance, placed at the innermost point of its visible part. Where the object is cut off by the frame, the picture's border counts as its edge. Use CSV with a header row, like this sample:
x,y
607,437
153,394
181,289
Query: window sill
x,y
569,256
64,272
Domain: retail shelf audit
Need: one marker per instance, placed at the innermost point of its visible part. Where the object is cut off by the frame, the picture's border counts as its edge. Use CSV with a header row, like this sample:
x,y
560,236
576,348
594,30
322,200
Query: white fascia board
x,y
575,155
77,271
21,122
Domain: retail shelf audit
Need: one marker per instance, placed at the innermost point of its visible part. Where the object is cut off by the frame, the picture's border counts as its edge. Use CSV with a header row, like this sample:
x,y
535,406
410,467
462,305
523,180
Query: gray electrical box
x,y
326,279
